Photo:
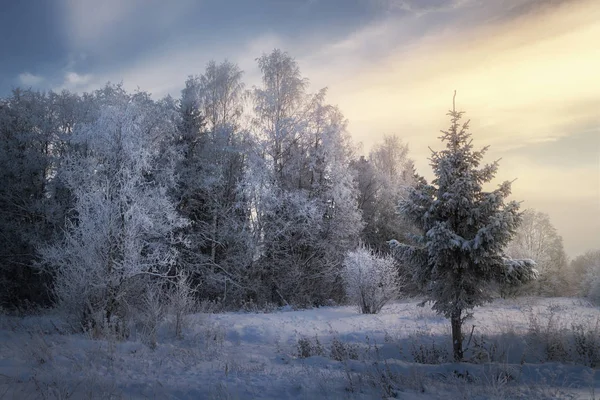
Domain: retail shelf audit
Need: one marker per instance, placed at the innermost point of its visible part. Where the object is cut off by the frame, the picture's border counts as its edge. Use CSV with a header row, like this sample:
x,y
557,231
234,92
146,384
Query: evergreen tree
x,y
458,256
31,126
209,191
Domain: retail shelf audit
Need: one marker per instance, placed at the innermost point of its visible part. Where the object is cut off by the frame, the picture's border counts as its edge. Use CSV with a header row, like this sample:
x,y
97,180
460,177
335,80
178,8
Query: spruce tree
x,y
457,259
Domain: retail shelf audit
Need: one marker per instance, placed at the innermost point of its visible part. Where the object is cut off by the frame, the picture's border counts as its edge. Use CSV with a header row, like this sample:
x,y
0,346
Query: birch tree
x,y
305,197
537,239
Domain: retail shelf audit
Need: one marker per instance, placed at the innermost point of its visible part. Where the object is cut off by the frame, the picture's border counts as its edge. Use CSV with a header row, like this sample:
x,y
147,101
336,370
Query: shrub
x,y
586,339
425,350
548,335
181,302
370,280
308,348
341,351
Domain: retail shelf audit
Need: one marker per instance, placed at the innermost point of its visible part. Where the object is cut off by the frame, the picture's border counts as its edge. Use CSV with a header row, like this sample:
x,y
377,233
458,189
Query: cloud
x,y
522,80
75,82
525,75
74,79
422,7
29,79
528,76
98,27
534,180
163,73
525,72
570,195
91,22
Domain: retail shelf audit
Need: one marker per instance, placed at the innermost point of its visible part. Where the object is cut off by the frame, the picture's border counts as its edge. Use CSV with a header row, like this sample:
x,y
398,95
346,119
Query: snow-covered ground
x,y
526,349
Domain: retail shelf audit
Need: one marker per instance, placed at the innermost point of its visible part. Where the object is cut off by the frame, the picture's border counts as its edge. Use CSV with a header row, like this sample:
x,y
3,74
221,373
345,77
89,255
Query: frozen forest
x,y
235,242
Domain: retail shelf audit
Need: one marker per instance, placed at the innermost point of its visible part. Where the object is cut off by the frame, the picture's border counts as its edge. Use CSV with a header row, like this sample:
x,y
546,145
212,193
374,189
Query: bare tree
x,y
304,197
586,275
537,239
383,180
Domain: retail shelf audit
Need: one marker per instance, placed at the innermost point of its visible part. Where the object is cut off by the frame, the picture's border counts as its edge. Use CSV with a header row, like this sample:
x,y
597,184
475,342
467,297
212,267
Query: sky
x,y
526,72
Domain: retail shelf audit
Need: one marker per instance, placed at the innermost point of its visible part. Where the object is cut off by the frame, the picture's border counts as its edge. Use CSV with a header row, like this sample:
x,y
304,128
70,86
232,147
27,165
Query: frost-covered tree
x,y
370,280
209,190
33,126
304,198
537,239
123,223
585,271
459,253
280,106
592,285
333,186
382,180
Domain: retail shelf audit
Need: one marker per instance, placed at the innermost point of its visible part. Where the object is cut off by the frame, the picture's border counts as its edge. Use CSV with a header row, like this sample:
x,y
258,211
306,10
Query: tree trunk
x,y
213,245
457,338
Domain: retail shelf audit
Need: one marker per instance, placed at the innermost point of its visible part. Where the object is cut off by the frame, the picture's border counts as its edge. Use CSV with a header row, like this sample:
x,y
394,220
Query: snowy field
x,y
527,349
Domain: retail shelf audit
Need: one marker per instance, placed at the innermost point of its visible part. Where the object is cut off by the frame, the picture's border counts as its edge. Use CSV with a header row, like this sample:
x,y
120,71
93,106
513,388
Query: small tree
x,y
381,181
371,280
593,277
537,239
458,257
181,300
586,275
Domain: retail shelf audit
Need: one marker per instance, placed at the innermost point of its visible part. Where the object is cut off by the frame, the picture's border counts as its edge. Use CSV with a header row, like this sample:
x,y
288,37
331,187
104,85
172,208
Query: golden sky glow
x,y
523,81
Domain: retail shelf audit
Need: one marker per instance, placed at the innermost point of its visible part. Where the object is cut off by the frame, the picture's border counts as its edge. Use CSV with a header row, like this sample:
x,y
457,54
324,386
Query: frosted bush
x,y
181,301
370,280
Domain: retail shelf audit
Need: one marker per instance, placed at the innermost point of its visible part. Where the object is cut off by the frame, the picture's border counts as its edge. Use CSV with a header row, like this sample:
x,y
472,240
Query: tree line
x,y
255,195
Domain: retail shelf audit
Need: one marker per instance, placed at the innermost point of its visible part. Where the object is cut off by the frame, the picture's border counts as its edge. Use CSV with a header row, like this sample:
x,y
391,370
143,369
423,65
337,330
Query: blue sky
x,y
526,72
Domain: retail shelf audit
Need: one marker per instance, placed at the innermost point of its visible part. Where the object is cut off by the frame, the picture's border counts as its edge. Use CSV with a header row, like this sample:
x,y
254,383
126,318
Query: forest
x,y
256,195
117,209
